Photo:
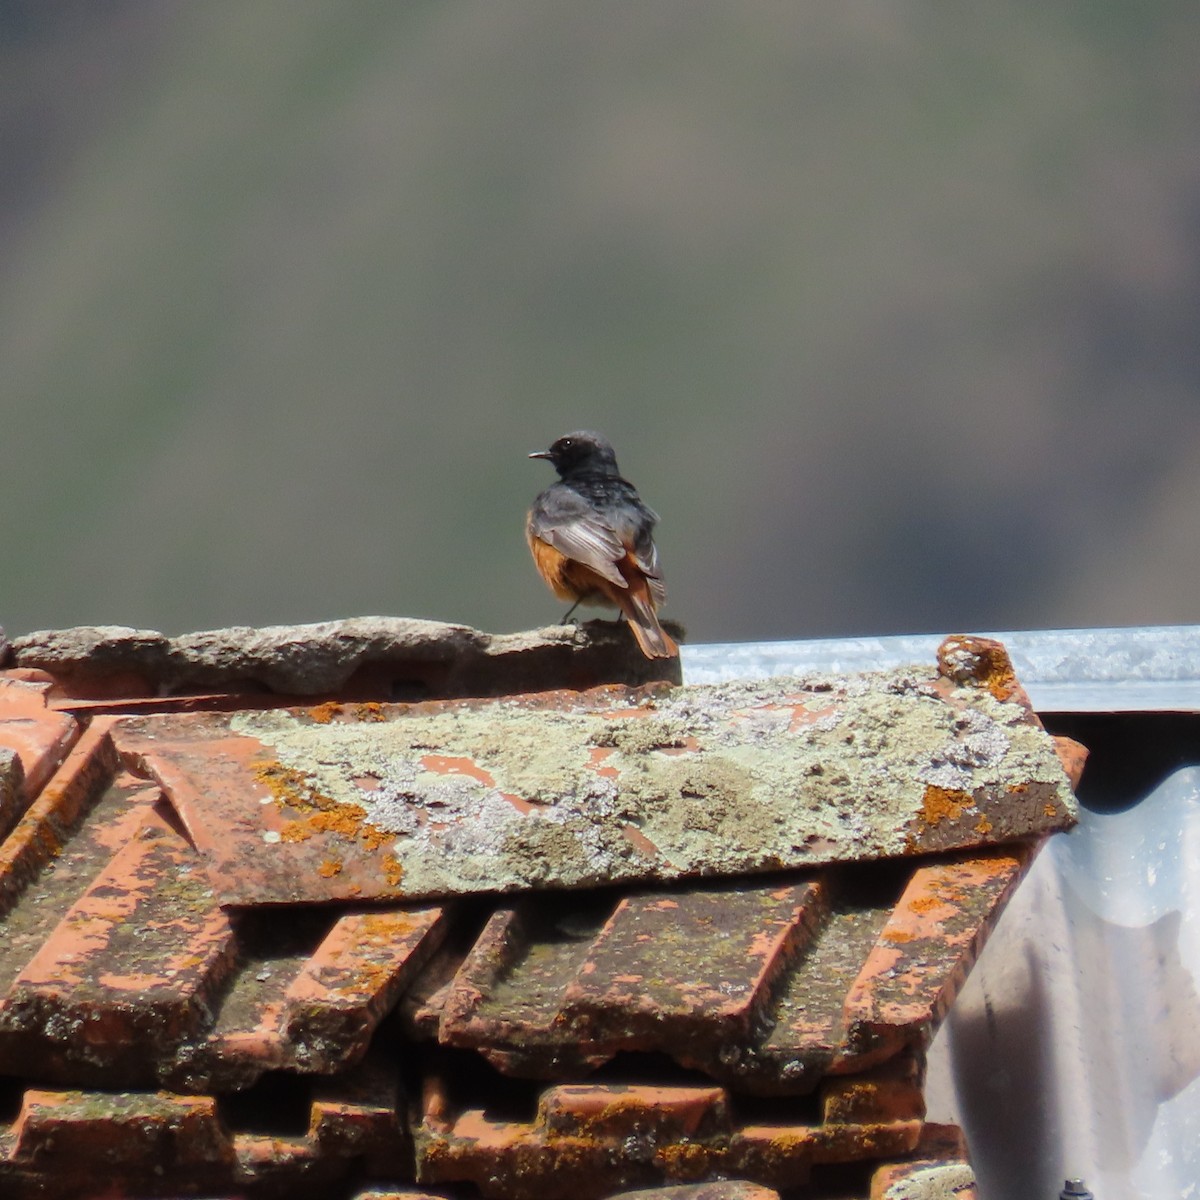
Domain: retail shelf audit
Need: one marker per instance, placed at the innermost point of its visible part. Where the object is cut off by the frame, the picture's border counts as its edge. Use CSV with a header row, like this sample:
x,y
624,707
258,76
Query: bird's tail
x,y
643,620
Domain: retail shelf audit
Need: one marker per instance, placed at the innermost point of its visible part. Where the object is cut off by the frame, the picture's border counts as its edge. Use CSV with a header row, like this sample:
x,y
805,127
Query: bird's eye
x,y
567,443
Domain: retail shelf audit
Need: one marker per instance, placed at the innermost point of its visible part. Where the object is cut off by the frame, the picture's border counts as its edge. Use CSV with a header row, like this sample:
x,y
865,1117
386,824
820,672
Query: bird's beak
x,y
540,454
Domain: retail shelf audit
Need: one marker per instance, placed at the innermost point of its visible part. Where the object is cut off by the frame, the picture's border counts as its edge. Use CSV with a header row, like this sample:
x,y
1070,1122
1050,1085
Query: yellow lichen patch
x,y
940,804
983,826
324,713
393,872
370,711
329,868
289,786
318,813
684,1161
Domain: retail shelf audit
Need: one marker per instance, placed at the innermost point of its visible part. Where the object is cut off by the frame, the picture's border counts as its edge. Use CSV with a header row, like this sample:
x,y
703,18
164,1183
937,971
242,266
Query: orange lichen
x,y
940,804
323,714
982,659
393,872
318,813
983,826
329,868
684,1160
289,786
371,710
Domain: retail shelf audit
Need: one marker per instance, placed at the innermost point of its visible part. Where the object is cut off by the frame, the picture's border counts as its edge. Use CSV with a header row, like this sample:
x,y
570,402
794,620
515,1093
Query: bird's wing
x,y
645,554
582,536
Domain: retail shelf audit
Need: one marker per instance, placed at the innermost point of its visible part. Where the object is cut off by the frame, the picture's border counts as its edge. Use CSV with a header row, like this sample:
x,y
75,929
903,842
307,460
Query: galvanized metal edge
x,y
1148,668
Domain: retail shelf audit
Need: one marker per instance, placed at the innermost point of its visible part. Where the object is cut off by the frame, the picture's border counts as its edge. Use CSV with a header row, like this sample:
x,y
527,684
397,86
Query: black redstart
x,y
591,538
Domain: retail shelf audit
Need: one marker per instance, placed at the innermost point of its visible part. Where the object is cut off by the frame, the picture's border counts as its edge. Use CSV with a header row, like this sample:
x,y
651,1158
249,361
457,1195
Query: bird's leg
x,y
570,610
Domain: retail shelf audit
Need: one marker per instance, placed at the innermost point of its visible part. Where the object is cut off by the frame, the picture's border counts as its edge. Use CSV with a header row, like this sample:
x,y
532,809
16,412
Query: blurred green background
x,y
890,308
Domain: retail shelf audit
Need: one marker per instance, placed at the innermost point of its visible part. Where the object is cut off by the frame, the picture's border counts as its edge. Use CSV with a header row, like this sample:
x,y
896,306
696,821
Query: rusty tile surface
x,y
589,1140
608,786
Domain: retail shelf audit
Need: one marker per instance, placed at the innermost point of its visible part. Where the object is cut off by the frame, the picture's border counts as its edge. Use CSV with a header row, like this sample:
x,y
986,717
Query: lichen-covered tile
x,y
924,952
68,1142
675,1113
247,1036
506,999
357,1115
581,789
51,819
588,1141
924,1181
673,969
804,1024
128,973
352,980
716,1189
893,1091
585,1142
109,824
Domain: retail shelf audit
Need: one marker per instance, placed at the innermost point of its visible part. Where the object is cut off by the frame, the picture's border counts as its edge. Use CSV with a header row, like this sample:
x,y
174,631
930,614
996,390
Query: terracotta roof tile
x,y
127,974
36,740
722,1189
767,987
613,785
765,1021
586,1140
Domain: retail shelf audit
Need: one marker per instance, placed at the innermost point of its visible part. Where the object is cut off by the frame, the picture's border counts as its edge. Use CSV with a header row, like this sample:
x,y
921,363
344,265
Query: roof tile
x,y
766,987
128,973
721,1189
39,736
669,966
926,947
613,785
587,1140
787,975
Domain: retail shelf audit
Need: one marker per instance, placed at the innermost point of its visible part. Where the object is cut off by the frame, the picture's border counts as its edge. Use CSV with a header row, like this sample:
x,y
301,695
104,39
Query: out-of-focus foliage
x,y
890,309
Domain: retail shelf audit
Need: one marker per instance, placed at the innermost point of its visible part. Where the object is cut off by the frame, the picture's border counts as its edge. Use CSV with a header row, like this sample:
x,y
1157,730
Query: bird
x,y
592,538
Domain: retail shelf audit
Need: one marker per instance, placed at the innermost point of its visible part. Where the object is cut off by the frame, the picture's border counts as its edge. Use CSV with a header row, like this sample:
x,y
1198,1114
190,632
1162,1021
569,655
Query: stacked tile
x,y
177,1018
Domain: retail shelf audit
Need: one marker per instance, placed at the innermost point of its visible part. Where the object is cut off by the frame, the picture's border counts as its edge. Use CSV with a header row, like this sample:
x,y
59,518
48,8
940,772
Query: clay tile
x,y
692,941
613,785
721,1189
